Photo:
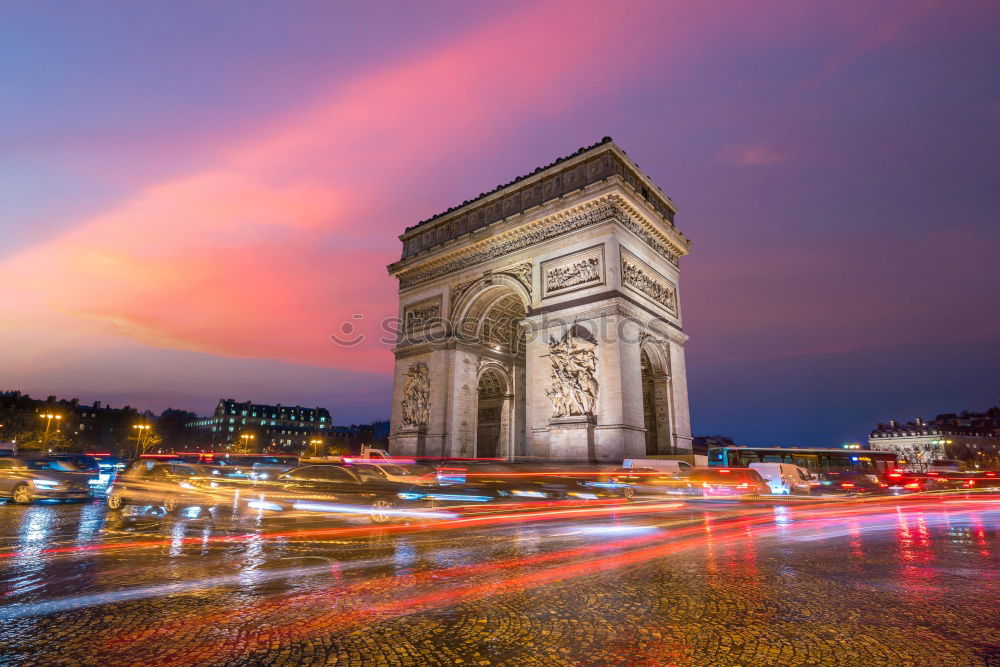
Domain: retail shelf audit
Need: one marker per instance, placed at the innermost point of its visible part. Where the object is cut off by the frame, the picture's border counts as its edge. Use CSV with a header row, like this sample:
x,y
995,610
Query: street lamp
x,y
143,433
48,424
315,442
247,437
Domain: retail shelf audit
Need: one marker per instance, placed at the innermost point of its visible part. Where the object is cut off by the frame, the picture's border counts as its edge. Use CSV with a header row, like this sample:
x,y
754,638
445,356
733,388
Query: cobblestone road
x,y
892,583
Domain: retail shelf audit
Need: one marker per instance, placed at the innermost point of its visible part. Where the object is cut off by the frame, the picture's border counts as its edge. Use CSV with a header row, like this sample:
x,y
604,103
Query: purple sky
x,y
194,195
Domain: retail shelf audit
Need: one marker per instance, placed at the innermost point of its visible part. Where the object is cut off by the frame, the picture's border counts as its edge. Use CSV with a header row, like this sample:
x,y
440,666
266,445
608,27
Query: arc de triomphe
x,y
543,319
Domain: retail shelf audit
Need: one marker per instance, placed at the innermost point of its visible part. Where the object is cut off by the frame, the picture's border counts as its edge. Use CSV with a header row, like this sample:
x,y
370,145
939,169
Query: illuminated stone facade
x,y
972,437
534,316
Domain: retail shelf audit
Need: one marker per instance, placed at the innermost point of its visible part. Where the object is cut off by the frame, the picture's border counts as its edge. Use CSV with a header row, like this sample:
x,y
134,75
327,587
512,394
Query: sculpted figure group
x,y
574,274
574,387
416,396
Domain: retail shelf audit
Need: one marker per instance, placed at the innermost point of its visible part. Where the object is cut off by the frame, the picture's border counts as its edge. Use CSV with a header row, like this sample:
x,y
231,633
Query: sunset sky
x,y
194,195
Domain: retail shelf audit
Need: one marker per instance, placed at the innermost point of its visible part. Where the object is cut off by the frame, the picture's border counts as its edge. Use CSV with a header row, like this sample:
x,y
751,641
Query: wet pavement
x,y
892,582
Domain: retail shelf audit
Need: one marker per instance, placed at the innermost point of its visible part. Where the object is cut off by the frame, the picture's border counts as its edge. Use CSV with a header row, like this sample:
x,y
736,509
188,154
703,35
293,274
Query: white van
x,y
668,466
785,478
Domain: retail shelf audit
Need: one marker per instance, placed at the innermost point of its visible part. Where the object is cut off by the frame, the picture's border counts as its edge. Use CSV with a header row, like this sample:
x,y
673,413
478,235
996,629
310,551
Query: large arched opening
x,y
489,320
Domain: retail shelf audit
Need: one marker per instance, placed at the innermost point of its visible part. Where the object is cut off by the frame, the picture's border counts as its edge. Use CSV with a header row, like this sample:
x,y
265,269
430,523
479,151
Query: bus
x,y
814,460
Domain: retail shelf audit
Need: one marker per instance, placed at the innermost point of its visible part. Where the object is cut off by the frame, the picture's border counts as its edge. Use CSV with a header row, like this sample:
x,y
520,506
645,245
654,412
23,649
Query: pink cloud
x,y
286,234
752,155
265,253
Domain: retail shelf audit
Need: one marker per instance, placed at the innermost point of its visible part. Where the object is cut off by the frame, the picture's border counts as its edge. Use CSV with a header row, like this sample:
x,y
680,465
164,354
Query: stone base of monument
x,y
572,438
409,442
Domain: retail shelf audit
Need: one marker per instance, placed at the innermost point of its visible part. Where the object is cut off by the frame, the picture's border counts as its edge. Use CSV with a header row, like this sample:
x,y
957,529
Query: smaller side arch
x,y
655,352
494,411
657,410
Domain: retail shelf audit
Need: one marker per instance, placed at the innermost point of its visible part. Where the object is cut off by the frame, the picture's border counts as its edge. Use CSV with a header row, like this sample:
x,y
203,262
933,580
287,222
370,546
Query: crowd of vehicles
x,y
383,488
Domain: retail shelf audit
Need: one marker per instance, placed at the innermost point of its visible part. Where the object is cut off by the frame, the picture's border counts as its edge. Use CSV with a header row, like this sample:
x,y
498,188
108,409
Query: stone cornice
x,y
584,168
518,235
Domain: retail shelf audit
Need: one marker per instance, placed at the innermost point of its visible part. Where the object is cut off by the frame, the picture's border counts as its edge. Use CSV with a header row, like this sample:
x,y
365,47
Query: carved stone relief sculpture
x,y
636,275
416,396
422,313
521,272
573,274
574,385
575,271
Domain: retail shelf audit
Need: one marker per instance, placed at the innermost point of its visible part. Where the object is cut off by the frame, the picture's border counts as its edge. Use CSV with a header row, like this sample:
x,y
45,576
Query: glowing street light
x,y
48,424
140,437
316,442
247,437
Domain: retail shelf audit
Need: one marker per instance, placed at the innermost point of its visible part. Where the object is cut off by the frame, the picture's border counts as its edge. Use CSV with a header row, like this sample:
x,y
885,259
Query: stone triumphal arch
x,y
542,319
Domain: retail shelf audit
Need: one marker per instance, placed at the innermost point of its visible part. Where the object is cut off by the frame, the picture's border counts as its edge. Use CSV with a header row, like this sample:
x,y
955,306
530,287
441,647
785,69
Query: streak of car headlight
x,y
263,505
606,485
185,485
407,495
358,509
45,483
588,496
529,494
458,497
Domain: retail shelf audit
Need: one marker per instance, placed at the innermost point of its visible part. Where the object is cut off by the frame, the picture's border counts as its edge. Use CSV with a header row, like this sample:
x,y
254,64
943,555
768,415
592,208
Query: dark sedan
x,y
716,482
25,480
172,486
340,489
849,483
530,482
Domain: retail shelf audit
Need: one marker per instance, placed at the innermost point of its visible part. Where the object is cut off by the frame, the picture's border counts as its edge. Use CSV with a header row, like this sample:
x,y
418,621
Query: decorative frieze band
x,y
643,278
538,235
575,271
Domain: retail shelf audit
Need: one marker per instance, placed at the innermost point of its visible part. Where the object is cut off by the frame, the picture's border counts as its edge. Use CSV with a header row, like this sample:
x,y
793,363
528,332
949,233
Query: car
x,y
836,482
668,466
901,482
340,489
26,480
398,473
649,481
172,486
269,467
975,479
785,478
714,482
947,465
535,481
102,467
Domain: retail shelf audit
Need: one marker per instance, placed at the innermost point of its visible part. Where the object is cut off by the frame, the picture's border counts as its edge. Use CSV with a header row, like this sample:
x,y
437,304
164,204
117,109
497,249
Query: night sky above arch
x,y
195,196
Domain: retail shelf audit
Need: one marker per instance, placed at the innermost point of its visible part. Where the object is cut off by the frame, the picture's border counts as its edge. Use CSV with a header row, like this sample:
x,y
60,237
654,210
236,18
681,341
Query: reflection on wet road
x,y
890,581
